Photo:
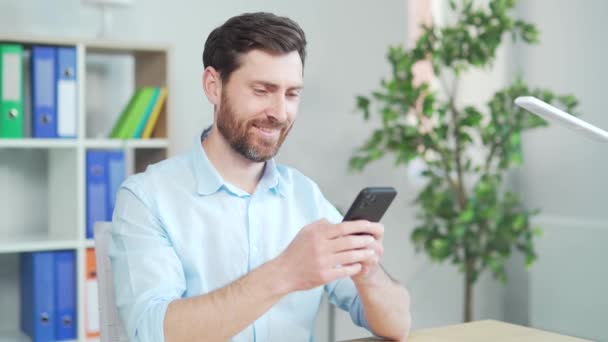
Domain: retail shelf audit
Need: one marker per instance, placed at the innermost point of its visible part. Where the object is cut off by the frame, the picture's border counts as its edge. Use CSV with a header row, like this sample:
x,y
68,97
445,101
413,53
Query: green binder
x,y
139,111
122,120
11,91
133,113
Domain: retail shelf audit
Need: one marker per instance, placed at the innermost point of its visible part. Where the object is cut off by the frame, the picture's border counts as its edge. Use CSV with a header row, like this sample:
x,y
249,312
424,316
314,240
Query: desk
x,y
483,331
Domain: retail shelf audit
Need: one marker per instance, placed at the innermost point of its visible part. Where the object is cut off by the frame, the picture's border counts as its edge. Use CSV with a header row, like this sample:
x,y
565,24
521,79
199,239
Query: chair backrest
x,y
111,327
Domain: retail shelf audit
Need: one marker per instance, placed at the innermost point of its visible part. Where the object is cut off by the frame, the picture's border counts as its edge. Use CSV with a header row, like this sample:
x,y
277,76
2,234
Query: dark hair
x,y
249,31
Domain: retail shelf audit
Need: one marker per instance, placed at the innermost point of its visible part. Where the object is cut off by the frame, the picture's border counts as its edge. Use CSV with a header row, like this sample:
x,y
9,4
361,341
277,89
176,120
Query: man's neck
x,y
233,167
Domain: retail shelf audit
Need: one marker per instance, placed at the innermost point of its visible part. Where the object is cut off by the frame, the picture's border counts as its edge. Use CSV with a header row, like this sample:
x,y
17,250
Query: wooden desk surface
x,y
483,331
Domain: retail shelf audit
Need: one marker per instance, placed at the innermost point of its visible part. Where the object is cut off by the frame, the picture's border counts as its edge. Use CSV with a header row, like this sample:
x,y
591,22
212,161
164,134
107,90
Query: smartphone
x,y
371,204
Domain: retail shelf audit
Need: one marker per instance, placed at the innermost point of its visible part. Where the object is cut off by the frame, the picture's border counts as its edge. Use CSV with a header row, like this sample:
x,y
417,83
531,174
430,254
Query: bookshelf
x,y
43,181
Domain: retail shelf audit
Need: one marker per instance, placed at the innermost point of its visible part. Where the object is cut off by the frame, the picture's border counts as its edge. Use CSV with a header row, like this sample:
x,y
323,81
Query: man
x,y
222,243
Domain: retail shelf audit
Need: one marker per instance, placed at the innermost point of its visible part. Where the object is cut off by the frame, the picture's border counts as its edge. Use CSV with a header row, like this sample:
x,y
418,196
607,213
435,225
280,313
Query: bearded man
x,y
222,243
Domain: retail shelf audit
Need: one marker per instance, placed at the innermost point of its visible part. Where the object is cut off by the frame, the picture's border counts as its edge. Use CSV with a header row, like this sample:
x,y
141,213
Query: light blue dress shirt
x,y
180,230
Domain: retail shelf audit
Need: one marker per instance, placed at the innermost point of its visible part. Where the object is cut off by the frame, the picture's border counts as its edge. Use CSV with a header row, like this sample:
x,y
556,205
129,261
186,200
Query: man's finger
x,y
345,271
351,257
350,242
356,227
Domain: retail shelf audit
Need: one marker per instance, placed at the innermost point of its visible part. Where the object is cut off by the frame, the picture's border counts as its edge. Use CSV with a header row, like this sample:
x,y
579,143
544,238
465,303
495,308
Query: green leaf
x,y
389,115
495,264
452,4
472,117
515,140
427,105
465,138
363,105
439,249
419,235
459,231
474,276
516,158
519,223
466,216
530,258
358,163
375,153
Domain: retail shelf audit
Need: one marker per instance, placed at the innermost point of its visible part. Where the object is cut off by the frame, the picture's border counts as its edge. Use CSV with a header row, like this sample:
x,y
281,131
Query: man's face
x,y
259,103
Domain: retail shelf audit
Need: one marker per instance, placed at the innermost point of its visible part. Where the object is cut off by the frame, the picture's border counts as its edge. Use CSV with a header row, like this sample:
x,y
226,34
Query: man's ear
x,y
212,84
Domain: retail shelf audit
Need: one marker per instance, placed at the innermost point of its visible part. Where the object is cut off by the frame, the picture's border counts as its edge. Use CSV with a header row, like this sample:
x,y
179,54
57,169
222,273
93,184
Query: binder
x,y
116,175
91,299
97,189
65,295
119,126
11,91
146,114
36,295
67,92
44,109
134,114
138,112
151,123
28,122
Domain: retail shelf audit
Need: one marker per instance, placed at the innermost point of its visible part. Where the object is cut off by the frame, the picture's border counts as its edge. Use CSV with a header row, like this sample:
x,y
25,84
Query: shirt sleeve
x,y
342,292
147,272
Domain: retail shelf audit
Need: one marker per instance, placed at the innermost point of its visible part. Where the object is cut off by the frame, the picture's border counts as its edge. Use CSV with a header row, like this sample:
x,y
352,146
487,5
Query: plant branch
x,y
443,153
446,165
462,197
495,145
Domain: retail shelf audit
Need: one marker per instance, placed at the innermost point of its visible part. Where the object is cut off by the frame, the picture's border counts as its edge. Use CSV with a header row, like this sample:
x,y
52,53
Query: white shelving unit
x,y
43,181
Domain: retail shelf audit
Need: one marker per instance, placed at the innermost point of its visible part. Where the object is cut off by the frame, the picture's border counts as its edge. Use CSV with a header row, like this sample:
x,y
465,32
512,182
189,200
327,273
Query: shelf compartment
x,y
39,194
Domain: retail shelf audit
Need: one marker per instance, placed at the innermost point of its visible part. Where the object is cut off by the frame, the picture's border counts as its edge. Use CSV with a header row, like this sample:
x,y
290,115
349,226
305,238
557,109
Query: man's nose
x,y
278,109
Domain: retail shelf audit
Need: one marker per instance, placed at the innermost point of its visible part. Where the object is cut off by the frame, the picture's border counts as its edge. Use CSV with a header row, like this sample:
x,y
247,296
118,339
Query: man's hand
x,y
371,265
323,252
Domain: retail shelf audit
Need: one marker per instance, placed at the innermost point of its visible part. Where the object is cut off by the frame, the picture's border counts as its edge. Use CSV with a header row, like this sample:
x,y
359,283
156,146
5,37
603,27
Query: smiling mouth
x,y
267,131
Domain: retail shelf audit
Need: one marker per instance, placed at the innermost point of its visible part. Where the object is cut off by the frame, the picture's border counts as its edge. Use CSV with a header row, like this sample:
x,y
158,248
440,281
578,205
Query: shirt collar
x,y
271,178
209,181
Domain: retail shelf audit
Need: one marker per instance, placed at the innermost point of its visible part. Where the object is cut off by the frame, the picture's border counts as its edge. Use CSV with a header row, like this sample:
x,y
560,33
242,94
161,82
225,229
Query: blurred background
x,y
563,173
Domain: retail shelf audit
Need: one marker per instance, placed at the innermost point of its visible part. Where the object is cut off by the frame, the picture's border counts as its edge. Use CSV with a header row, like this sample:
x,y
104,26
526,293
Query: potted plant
x,y
466,215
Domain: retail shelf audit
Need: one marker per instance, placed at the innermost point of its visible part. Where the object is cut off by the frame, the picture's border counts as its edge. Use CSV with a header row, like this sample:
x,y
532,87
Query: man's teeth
x,y
268,130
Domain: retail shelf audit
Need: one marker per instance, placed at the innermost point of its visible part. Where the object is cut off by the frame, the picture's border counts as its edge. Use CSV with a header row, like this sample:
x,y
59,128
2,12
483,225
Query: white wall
x,y
565,174
570,59
348,41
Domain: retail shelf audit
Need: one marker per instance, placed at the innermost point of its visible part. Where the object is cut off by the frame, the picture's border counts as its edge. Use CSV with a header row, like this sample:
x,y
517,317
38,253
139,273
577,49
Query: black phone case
x,y
371,204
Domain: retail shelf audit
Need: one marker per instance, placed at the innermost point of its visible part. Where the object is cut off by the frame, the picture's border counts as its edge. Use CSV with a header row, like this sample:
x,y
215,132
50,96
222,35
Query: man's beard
x,y
243,137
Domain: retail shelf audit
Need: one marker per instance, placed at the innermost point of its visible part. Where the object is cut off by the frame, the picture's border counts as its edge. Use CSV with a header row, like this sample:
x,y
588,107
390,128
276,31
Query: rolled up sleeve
x,y
343,294
147,272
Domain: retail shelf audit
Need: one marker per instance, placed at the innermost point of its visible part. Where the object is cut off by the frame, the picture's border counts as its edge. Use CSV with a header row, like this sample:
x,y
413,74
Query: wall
x,y
565,173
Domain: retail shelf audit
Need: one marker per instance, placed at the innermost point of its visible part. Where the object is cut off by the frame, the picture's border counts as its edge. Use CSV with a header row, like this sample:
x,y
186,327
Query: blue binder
x,y
116,175
37,289
67,92
44,89
65,295
97,189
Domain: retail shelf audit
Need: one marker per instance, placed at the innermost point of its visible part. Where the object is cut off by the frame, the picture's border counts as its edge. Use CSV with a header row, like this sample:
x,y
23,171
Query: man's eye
x,y
293,95
260,91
